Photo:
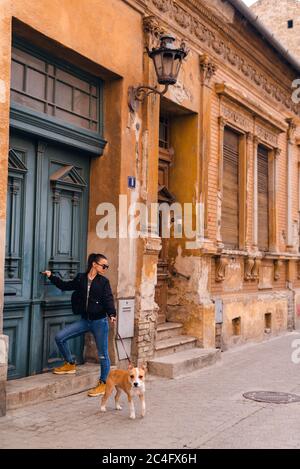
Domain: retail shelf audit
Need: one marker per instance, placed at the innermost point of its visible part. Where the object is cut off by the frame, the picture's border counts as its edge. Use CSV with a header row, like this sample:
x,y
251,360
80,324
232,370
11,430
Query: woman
x,y
95,301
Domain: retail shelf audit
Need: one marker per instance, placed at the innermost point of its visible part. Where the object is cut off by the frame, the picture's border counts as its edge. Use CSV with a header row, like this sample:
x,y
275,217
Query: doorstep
x,y
48,386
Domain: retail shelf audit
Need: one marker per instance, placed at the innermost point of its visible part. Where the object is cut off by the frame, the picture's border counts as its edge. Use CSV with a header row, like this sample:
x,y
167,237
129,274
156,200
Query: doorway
x,y
47,207
166,154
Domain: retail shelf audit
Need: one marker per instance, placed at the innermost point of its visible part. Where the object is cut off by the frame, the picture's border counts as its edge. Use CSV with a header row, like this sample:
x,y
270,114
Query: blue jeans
x,y
99,329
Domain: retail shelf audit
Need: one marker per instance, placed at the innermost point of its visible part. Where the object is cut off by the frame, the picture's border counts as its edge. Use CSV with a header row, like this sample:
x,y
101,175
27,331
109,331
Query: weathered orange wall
x,y
109,34
5,35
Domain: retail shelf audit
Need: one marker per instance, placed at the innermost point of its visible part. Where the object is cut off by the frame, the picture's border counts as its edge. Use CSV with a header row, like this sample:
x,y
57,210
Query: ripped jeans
x,y
99,329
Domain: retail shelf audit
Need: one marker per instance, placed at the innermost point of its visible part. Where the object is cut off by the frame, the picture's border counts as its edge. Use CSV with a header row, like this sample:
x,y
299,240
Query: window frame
x,y
54,128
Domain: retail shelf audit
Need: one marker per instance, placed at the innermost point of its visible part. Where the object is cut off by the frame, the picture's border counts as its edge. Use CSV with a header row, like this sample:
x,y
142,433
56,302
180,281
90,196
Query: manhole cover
x,y
272,397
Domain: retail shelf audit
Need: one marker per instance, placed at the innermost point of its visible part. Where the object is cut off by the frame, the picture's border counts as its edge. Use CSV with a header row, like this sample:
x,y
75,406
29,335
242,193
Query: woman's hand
x,y
47,272
113,320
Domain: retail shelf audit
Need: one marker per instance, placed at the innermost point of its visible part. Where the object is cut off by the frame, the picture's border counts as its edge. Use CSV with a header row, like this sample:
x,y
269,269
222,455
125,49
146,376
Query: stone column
x,y
149,245
289,182
207,71
243,178
222,124
273,222
255,195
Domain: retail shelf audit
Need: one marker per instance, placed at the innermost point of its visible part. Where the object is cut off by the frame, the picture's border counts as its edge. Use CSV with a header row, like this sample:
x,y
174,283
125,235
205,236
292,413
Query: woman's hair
x,y
94,258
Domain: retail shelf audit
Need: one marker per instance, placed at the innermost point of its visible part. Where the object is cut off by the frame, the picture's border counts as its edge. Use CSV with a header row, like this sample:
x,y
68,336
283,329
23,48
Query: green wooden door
x,y
47,211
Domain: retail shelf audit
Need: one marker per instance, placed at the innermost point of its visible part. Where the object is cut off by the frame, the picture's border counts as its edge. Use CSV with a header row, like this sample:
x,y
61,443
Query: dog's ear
x,y
144,367
130,366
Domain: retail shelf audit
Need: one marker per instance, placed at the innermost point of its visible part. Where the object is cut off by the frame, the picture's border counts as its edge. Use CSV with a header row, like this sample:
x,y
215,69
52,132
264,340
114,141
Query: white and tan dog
x,y
132,382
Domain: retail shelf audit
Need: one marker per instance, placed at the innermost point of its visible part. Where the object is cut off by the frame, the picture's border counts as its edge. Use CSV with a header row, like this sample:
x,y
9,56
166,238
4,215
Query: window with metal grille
x,y
230,199
263,197
55,89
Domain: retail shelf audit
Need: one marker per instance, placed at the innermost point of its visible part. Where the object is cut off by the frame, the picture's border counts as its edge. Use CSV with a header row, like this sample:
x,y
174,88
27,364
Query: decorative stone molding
x,y
277,153
221,263
248,266
152,245
277,266
266,135
236,118
291,130
222,122
218,41
207,69
253,107
256,268
152,31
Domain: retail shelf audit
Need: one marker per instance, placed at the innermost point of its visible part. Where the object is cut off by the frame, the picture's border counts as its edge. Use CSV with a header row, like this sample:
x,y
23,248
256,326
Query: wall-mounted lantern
x,y
167,61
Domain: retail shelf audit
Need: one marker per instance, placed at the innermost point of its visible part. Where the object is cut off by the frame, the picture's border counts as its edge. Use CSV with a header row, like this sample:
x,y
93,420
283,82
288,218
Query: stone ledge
x,y
48,386
182,363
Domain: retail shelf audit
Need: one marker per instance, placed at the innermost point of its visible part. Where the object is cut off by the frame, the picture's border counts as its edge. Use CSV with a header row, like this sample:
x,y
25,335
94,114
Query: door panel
x,y
18,253
46,229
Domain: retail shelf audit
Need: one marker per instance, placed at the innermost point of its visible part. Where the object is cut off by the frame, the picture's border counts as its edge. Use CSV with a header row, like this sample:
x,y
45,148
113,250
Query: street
x,y
205,409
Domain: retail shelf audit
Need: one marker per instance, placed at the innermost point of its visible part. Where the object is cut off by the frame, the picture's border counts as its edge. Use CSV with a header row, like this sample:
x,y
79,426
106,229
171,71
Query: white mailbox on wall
x,y
125,326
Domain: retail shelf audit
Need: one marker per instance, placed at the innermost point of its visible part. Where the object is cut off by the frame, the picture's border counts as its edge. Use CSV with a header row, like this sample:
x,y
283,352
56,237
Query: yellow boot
x,y
66,369
98,390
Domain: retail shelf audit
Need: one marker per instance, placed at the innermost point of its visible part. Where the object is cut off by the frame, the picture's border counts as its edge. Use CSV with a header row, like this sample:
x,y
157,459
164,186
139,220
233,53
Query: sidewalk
x,y
206,409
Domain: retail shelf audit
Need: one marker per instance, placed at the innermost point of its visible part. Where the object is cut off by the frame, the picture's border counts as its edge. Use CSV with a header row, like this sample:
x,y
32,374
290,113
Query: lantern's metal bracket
x,y
138,94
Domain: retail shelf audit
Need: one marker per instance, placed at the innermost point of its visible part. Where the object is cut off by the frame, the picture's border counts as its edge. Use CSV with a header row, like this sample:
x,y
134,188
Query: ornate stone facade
x,y
231,80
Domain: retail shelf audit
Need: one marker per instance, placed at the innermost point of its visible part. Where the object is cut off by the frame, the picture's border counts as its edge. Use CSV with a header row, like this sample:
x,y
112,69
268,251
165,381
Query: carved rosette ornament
x,y
221,263
277,266
207,69
248,266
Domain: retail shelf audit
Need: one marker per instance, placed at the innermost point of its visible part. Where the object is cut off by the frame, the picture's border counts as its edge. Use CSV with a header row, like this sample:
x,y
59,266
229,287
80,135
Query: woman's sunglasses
x,y
104,266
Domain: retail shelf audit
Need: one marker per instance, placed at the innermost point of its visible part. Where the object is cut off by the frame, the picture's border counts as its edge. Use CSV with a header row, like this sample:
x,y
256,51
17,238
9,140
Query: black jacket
x,y
101,300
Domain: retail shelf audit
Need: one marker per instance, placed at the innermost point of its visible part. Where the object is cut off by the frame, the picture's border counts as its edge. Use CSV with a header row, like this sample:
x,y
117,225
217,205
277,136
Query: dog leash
x,y
119,337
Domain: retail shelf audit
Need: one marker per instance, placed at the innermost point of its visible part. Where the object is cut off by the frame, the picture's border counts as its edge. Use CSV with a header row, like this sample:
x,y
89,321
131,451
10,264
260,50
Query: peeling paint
x,y
3,349
2,92
180,93
144,164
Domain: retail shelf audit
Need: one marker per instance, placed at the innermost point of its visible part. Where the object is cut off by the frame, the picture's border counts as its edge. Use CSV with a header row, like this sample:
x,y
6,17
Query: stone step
x,y
48,386
167,330
182,363
174,344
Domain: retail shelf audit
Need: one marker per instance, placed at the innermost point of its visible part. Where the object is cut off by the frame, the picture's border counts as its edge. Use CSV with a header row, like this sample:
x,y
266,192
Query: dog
x,y
132,382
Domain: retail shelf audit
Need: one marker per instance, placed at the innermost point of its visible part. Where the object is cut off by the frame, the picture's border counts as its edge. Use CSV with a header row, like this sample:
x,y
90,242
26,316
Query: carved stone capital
x,y
277,153
291,130
222,122
248,266
277,265
221,263
152,245
255,140
152,31
255,270
207,69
